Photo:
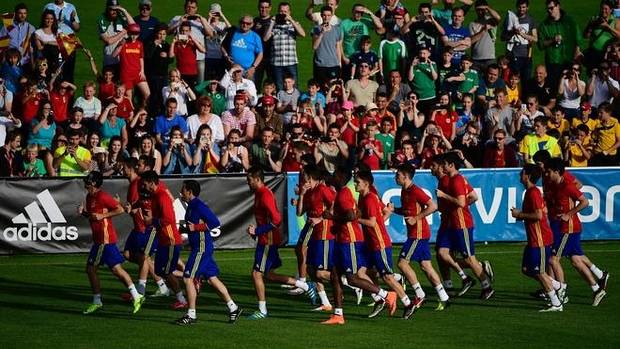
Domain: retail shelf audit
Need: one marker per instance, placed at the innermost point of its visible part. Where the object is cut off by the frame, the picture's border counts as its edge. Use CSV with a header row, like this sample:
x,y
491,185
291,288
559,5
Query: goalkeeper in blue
x,y
200,221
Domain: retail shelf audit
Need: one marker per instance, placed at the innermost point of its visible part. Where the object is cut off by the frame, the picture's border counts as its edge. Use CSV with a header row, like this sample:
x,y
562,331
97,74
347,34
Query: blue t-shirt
x,y
107,131
196,211
11,75
163,126
244,47
454,35
147,28
44,137
488,90
318,98
360,57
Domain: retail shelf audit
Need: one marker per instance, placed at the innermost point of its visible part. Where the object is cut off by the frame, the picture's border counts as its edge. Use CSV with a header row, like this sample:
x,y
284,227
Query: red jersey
x,y
445,121
549,189
564,197
316,201
538,231
266,212
124,108
106,91
349,136
442,204
376,237
186,58
30,109
163,210
131,55
460,217
103,230
371,158
413,199
349,231
289,164
133,197
60,105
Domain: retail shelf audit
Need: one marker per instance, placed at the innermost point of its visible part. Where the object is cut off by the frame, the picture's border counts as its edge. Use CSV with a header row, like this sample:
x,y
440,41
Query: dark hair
x,y
20,6
583,128
54,25
453,158
94,178
131,162
555,165
257,173
112,139
492,66
193,186
424,5
533,172
150,176
606,107
149,161
406,169
171,100
74,132
521,2
381,94
365,176
200,129
542,156
327,8
11,136
312,171
307,158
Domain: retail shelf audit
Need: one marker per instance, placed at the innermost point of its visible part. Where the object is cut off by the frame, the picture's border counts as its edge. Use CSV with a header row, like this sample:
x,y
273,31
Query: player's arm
x,y
369,222
208,220
583,203
459,201
472,197
527,216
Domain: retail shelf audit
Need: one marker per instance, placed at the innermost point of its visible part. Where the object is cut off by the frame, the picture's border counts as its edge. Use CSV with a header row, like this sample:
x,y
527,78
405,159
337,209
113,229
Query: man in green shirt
x,y
211,88
559,38
422,76
354,28
387,141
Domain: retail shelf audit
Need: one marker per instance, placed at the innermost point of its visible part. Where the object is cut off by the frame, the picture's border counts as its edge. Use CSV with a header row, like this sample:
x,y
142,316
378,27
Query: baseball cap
x,y
145,3
268,100
110,3
371,106
400,11
240,97
348,105
215,8
133,28
586,106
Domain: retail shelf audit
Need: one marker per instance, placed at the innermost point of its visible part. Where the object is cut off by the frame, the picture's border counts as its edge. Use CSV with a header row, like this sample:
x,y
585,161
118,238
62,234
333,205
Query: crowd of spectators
x,y
391,85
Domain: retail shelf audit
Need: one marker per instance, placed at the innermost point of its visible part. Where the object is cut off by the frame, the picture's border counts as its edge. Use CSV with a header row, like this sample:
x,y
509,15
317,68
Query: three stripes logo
x,y
35,225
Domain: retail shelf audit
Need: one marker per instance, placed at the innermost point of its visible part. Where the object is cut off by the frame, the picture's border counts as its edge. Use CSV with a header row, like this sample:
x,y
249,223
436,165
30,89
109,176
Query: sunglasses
x,y
246,23
145,8
499,138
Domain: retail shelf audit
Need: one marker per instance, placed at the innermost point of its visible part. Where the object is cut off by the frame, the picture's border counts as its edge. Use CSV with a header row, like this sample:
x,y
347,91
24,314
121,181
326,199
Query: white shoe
x,y
552,309
295,291
359,293
286,286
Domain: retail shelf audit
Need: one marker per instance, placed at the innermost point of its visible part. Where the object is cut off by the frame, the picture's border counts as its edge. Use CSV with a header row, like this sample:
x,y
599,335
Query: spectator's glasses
x,y
297,134
246,23
205,105
531,103
42,65
145,8
576,68
413,98
551,7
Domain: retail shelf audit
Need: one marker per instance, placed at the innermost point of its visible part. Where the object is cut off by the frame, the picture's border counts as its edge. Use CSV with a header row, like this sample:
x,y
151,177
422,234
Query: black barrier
x,y
40,216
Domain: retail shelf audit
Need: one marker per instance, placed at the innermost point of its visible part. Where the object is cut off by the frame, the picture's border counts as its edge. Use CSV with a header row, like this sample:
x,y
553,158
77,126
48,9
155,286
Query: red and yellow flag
x,y
67,44
7,23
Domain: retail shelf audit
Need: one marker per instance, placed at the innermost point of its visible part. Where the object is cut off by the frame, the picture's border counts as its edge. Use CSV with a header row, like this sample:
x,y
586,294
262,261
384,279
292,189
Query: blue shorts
x,y
462,241
535,260
266,258
416,249
568,245
107,254
555,225
443,239
349,257
321,254
304,234
166,259
382,261
201,263
138,242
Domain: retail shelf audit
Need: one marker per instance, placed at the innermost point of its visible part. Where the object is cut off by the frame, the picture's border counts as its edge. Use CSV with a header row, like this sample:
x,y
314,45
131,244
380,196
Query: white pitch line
x,y
230,259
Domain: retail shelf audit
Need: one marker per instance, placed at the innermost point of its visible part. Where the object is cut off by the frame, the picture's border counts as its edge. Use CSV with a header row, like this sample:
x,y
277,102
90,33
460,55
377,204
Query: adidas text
x,y
32,232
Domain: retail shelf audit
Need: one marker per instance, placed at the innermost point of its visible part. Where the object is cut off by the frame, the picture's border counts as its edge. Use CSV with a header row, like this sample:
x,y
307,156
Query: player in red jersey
x,y
314,199
378,242
141,243
539,237
415,206
169,240
99,208
131,55
349,257
461,223
565,197
267,233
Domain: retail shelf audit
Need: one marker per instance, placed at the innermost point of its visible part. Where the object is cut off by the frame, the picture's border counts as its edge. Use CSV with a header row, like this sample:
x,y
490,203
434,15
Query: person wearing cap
x,y
267,117
483,34
156,62
356,28
241,118
372,114
215,64
362,90
131,54
283,31
112,32
584,117
233,81
147,23
602,87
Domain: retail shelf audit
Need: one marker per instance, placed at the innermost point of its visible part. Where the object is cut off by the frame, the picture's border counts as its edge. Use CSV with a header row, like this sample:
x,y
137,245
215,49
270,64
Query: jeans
x,y
523,65
279,72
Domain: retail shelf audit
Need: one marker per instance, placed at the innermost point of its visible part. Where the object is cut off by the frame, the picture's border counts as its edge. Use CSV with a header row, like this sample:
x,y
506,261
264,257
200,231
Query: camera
x,y
183,37
280,19
192,18
598,21
325,139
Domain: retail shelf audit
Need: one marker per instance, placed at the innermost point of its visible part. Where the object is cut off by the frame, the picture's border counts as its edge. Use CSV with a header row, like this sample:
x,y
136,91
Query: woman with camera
x,y
445,117
571,88
179,89
45,39
43,127
206,159
178,158
112,125
235,157
433,142
115,155
410,119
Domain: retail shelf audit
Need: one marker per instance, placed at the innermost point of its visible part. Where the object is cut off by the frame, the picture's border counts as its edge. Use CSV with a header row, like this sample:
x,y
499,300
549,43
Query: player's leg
x,y
383,264
143,87
535,261
92,265
210,271
113,259
337,318
192,270
166,260
301,252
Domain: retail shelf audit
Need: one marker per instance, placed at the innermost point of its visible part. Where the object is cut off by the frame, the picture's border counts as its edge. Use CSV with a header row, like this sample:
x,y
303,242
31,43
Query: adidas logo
x,y
38,227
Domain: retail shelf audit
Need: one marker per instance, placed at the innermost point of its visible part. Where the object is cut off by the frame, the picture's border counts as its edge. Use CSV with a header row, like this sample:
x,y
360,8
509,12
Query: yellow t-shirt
x,y
532,143
69,166
606,135
512,94
576,157
562,127
591,123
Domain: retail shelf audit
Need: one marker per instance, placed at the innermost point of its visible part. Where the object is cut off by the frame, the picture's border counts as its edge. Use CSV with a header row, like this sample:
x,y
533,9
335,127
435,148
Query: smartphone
x,y
182,37
523,107
317,2
192,18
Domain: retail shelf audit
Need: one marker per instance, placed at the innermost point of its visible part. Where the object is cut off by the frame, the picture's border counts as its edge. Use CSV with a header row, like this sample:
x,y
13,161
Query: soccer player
x,y
99,208
415,206
539,238
378,242
565,197
461,223
267,232
168,238
200,221
314,199
141,243
348,250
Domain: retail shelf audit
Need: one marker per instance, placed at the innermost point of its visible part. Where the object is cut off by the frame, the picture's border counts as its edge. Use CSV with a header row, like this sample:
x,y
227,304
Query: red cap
x,y
400,11
133,28
586,106
268,100
240,97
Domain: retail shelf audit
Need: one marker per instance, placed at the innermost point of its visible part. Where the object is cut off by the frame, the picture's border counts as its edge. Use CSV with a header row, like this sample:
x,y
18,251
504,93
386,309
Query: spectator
x,y
287,100
241,118
513,89
579,149
361,91
261,23
364,55
489,85
533,143
20,33
31,100
164,123
131,55
331,152
423,74
45,39
137,128
112,24
93,140
199,26
148,24
148,149
75,121
177,156
112,125
600,32
558,38
246,47
12,72
466,115
432,143
525,122
396,90
235,156
11,161
60,98
72,159
327,46
393,15
444,117
178,89
269,119
266,154
584,118
558,122
292,154
602,87
386,137
423,31
483,34
43,127
6,99
213,89
497,154
470,145
606,137
384,112
317,18
520,33
215,64
8,121
410,119
456,36
444,16
124,104
206,117
185,47
370,150
233,82
156,62
392,54
115,156
68,23
406,155
450,75
354,29
501,116
541,87
283,31
470,79
571,89
33,166
206,158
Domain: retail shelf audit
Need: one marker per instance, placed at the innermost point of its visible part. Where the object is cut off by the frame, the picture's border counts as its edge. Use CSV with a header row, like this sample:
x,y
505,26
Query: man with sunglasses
x,y
72,159
245,47
146,22
602,87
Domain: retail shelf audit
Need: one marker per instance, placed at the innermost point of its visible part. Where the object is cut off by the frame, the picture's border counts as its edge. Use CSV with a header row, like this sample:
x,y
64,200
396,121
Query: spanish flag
x,y
209,165
7,22
67,44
